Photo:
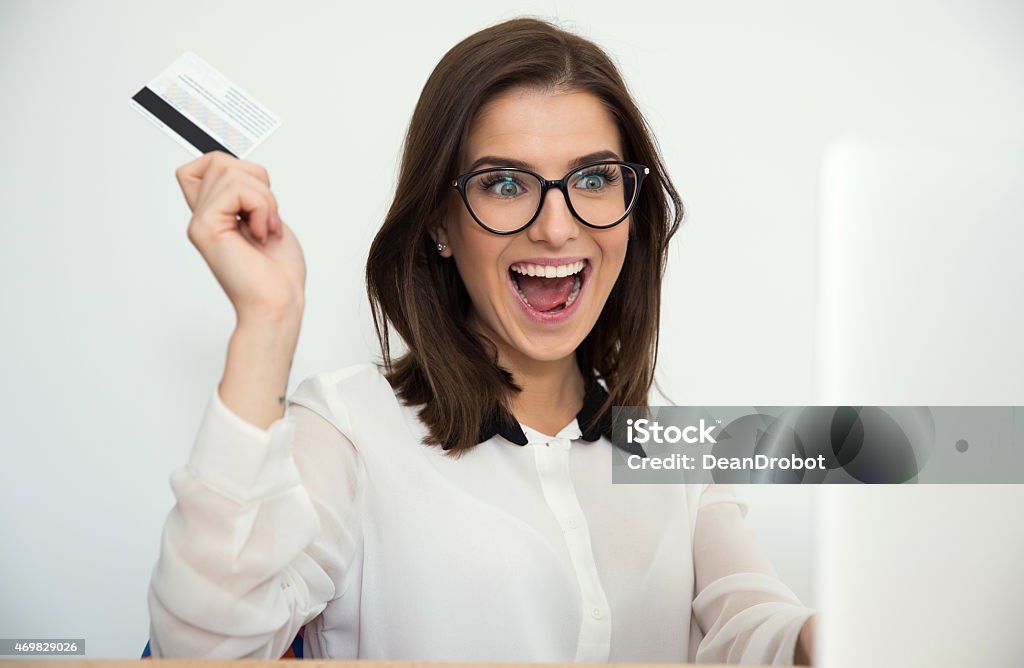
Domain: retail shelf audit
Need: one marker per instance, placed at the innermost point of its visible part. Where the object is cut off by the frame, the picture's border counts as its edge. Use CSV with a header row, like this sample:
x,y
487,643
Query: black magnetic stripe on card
x,y
176,121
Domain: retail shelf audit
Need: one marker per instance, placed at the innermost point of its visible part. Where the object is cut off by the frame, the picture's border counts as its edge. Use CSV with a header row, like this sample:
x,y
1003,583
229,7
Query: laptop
x,y
920,302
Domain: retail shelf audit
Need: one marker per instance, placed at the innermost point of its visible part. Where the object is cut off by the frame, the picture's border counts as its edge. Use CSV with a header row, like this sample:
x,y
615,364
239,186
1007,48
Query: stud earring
x,y
441,248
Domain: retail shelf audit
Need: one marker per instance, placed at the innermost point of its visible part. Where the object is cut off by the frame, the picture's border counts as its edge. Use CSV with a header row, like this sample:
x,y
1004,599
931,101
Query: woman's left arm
x,y
745,612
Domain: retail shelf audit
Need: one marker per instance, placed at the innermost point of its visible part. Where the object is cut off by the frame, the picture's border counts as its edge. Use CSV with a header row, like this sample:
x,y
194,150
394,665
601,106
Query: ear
x,y
439,233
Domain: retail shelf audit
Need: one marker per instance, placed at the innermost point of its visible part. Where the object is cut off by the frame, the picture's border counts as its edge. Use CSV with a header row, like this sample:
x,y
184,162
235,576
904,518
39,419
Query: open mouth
x,y
546,288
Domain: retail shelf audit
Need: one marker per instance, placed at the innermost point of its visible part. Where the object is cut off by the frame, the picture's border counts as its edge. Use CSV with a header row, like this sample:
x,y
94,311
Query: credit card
x,y
203,110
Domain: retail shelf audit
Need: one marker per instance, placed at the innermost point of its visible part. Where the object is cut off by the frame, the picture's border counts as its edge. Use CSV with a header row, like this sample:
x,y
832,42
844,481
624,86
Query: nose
x,y
555,224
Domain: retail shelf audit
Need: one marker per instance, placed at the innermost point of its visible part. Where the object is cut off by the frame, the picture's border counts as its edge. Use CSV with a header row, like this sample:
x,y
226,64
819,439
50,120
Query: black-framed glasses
x,y
506,200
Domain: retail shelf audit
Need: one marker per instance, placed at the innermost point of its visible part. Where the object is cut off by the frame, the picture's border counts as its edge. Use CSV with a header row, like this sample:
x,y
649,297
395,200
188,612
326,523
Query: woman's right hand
x,y
236,227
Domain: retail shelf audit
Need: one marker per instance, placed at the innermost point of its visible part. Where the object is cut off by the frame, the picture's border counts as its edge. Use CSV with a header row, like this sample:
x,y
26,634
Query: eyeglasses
x,y
506,200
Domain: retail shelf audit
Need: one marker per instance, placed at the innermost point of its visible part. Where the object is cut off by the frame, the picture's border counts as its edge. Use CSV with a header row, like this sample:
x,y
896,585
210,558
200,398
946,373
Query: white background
x,y
115,331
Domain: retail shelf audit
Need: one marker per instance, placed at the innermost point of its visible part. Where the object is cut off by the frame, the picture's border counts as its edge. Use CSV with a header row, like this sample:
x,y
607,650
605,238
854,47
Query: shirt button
x,y
570,523
596,613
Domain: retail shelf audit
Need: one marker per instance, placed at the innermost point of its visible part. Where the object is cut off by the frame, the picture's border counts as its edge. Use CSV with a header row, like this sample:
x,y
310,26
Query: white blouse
x,y
338,519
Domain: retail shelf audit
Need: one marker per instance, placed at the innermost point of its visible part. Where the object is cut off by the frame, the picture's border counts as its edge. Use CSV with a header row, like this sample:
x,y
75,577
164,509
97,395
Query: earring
x,y
441,248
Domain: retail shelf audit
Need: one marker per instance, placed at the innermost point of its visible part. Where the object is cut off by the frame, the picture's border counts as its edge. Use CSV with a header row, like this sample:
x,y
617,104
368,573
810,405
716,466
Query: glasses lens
x,y
601,194
505,200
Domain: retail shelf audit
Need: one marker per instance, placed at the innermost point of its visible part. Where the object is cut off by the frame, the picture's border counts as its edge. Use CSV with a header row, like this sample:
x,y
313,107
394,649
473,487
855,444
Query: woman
x,y
456,504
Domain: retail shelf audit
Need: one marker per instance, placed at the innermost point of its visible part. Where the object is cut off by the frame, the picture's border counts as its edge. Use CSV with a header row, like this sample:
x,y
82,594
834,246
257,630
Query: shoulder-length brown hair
x,y
448,369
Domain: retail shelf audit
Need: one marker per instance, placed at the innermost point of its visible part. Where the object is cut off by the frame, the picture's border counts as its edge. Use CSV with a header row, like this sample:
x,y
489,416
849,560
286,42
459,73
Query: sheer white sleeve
x,y
260,538
745,612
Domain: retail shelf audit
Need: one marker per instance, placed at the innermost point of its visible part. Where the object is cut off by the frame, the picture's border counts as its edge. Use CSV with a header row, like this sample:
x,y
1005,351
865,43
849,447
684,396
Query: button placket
x,y
556,482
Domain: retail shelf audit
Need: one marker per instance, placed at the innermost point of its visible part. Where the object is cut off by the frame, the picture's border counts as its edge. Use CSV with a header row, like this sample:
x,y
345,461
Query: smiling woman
x,y
517,299
454,503
505,113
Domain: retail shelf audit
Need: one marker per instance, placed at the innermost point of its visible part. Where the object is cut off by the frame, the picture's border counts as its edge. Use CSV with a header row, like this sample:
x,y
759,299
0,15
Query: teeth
x,y
547,270
519,290
575,291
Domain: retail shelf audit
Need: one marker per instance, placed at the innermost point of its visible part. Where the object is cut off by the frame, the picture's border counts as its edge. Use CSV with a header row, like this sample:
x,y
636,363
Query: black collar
x,y
500,423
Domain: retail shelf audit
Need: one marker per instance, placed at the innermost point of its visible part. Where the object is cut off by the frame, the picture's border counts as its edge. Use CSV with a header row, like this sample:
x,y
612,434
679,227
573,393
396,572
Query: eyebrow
x,y
500,161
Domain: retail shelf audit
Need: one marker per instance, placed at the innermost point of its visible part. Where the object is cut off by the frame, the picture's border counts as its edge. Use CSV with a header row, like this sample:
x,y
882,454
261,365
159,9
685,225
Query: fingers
x,y
190,175
259,171
249,199
223,190
200,176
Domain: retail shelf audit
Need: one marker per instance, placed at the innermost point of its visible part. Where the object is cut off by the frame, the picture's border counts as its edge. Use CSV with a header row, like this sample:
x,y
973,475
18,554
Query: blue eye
x,y
504,186
596,178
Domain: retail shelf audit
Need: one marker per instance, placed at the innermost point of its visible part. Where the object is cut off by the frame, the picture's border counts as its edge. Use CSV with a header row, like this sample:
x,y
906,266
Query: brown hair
x,y
447,368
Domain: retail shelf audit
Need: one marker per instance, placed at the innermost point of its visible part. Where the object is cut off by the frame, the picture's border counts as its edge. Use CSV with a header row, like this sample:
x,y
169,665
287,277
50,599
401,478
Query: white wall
x,y
115,331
